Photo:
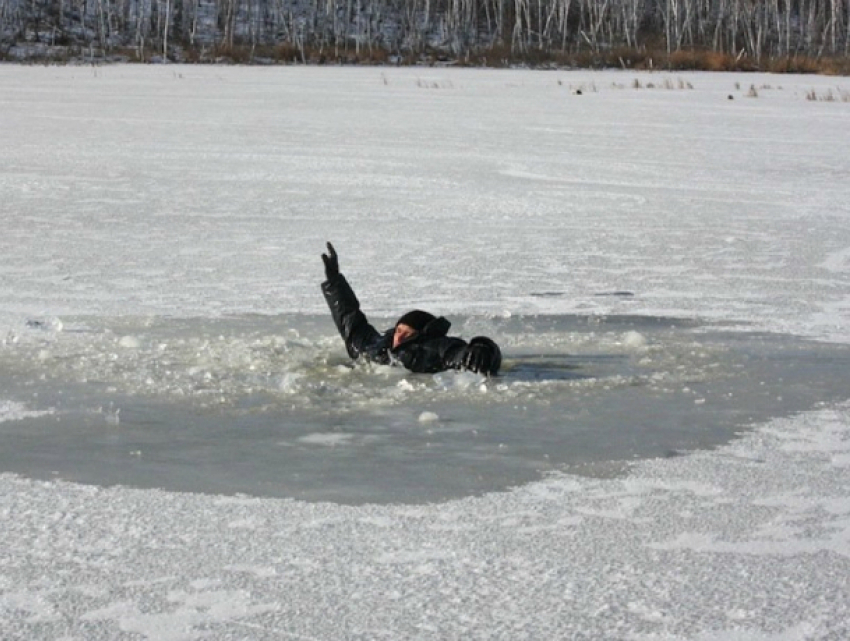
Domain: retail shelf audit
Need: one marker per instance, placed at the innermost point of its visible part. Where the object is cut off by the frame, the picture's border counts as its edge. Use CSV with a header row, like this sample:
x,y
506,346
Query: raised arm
x,y
359,336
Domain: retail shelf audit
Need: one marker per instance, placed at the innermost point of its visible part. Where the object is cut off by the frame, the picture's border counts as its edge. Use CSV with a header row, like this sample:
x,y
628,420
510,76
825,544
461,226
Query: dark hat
x,y
417,319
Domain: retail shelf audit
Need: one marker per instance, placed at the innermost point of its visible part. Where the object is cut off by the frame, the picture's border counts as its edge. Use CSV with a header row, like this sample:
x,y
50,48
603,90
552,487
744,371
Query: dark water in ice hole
x,y
271,406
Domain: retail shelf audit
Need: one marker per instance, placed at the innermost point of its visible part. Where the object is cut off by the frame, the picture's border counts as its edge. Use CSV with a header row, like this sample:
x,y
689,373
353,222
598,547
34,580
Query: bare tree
x,y
755,28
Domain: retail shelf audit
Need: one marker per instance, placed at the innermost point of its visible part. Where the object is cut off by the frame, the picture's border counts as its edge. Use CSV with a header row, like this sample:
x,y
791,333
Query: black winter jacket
x,y
430,350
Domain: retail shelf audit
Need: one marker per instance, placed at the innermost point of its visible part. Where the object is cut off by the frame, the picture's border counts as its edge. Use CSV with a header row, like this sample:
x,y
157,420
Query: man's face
x,y
402,333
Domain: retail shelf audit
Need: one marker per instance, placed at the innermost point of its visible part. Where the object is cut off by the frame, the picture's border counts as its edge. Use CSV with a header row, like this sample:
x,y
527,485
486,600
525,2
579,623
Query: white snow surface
x,y
207,191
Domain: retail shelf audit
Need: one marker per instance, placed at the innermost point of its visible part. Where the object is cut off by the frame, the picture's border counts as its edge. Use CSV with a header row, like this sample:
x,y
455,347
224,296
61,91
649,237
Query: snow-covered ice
x,y
204,193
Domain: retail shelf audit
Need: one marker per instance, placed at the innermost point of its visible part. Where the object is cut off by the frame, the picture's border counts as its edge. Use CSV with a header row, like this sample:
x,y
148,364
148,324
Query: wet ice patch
x,y
327,439
634,341
52,324
14,411
129,342
290,382
459,381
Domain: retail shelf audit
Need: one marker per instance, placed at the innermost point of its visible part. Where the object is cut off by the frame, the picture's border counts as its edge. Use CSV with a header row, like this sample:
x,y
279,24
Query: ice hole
x,y
273,406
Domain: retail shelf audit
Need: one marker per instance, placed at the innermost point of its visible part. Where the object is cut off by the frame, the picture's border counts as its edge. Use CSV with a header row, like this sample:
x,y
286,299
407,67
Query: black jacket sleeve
x,y
359,336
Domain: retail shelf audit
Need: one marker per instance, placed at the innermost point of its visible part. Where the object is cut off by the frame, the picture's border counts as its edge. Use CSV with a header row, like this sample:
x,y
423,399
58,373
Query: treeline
x,y
624,32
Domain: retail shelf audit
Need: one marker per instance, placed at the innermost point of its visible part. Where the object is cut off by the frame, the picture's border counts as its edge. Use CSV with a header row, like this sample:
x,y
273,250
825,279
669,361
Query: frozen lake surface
x,y
162,329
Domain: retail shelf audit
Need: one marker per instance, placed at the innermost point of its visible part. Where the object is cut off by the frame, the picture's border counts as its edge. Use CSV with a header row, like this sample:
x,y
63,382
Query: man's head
x,y
411,324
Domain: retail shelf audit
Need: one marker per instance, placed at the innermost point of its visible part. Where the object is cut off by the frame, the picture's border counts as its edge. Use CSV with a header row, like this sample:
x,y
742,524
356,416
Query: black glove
x,y
331,263
482,356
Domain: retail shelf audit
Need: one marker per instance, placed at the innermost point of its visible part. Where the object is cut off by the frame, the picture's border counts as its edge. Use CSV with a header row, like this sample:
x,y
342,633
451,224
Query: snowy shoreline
x,y
188,191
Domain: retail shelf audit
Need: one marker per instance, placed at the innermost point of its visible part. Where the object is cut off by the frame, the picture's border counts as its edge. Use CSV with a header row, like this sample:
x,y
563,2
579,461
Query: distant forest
x,y
795,35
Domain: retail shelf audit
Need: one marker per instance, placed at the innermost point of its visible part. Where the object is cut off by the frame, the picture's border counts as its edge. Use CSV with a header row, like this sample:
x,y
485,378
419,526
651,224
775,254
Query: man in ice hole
x,y
419,340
